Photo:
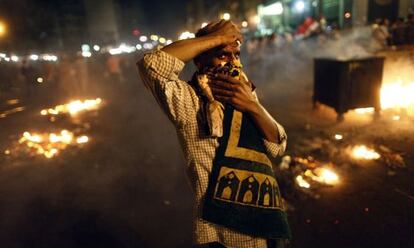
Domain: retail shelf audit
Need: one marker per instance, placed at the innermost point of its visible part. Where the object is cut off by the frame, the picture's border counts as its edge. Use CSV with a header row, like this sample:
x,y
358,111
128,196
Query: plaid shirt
x,y
159,72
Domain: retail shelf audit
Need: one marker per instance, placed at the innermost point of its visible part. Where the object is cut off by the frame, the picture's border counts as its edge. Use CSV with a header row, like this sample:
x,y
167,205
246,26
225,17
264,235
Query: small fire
x,y
50,144
339,136
398,94
362,152
302,182
363,111
73,107
323,175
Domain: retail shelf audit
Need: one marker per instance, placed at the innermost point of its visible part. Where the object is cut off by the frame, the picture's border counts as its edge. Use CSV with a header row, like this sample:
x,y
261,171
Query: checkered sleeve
x,y
277,149
159,71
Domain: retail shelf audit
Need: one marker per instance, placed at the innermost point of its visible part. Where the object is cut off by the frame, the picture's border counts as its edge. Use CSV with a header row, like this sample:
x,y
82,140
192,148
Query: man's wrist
x,y
254,108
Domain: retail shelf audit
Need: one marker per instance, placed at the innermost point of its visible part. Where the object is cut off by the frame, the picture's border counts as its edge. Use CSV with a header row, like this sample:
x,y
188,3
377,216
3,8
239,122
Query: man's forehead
x,y
229,49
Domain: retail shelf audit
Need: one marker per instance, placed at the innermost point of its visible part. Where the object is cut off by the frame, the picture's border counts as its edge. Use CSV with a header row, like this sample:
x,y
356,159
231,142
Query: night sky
x,y
32,23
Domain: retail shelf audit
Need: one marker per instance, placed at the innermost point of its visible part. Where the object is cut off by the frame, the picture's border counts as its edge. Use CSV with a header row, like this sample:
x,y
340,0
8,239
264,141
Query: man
x,y
214,45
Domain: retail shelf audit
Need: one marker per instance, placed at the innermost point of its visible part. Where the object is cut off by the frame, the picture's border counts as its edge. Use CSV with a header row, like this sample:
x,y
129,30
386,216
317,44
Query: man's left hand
x,y
227,89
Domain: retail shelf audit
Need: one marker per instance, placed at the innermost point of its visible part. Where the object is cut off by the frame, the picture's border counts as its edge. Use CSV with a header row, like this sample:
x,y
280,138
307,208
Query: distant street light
x,y
300,6
226,16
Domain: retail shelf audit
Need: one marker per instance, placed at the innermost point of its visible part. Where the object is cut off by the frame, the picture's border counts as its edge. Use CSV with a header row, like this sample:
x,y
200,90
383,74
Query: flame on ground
x,y
398,95
73,107
363,152
302,182
50,144
323,175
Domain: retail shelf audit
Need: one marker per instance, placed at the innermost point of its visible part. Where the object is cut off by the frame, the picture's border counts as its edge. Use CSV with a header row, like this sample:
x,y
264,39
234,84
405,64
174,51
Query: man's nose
x,y
232,58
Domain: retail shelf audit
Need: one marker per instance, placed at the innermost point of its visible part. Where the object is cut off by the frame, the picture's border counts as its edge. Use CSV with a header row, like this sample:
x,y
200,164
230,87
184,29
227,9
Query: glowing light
x,y
204,24
162,40
339,136
85,48
154,37
3,29
255,19
226,16
148,46
86,54
323,175
362,111
39,80
397,95
244,24
186,35
300,6
362,152
14,58
123,48
347,15
143,38
82,139
48,57
73,107
7,152
168,42
49,144
34,57
273,9
96,48
138,47
302,182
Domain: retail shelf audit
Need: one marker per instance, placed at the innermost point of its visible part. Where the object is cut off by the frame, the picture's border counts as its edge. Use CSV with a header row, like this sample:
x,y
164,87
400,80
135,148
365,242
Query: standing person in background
x,y
236,198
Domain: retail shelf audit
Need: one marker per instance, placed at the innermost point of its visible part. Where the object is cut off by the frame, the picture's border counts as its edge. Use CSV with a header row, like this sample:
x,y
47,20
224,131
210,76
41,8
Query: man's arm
x,y
185,50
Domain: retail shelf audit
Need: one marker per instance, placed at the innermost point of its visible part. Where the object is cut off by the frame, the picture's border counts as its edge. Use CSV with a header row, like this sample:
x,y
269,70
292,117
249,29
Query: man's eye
x,y
222,56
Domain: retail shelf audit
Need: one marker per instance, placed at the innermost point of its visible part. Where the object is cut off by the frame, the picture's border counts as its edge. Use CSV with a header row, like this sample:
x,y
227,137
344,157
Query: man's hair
x,y
200,33
204,31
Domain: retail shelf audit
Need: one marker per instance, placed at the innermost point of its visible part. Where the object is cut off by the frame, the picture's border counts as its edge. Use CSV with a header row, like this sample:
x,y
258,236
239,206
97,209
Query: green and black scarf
x,y
243,193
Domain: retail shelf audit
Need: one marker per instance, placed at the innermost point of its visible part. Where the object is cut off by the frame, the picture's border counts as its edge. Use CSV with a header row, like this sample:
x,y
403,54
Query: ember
x,y
73,107
302,182
397,95
323,175
362,152
50,144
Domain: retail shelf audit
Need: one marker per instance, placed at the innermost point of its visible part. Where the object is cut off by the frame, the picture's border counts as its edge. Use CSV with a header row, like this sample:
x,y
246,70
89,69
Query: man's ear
x,y
197,62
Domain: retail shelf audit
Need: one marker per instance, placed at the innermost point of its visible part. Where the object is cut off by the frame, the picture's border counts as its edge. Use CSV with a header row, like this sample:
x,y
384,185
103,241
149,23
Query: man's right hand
x,y
224,33
227,31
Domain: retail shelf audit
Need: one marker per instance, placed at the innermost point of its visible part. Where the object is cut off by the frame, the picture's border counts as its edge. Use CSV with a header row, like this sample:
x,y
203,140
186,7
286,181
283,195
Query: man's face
x,y
220,56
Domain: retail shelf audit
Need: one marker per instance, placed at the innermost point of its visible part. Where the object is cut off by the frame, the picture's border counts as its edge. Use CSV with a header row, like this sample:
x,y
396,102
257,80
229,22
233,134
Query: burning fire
x,y
397,95
302,182
362,152
50,144
73,107
323,175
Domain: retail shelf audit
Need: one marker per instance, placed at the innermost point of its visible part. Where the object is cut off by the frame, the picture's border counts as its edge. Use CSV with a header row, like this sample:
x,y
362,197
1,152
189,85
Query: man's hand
x,y
230,90
227,31
239,94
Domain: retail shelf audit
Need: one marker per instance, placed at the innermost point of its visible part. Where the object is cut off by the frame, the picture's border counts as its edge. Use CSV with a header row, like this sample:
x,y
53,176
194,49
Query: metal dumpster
x,y
348,84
